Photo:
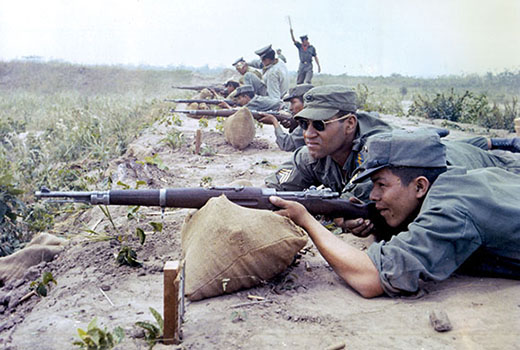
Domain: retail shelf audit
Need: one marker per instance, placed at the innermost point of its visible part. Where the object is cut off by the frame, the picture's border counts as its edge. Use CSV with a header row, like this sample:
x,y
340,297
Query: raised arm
x,y
352,265
292,37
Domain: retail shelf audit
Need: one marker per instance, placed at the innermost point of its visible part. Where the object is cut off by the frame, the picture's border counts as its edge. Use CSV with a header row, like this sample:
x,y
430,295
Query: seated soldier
x,y
251,77
294,139
448,219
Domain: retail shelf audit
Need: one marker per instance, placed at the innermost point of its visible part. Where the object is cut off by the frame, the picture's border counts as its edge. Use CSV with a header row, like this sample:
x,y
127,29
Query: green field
x,y
60,122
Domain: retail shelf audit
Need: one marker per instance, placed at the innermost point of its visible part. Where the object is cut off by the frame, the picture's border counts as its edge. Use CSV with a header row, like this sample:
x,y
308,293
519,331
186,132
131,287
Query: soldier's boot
x,y
507,144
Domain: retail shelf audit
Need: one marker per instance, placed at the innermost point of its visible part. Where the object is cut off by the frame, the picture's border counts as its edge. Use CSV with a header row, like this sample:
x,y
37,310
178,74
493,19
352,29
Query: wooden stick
x,y
106,296
27,296
251,303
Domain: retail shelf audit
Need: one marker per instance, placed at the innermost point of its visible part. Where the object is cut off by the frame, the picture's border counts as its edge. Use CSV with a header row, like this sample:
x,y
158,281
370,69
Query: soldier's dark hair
x,y
269,55
232,83
407,174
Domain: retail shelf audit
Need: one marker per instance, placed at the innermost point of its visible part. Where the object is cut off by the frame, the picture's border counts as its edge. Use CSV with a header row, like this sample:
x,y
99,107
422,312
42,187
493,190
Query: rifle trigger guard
x,y
162,197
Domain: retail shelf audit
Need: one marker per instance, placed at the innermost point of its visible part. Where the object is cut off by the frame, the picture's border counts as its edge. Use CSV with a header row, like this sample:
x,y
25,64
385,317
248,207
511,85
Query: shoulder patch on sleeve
x,y
283,175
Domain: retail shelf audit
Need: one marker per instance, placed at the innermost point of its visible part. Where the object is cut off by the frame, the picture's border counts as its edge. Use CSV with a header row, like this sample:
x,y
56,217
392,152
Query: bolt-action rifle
x,y
317,201
208,102
284,118
220,89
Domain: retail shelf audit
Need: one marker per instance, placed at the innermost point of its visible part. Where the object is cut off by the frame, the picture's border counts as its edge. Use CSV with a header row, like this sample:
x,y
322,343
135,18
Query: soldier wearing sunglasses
x,y
335,133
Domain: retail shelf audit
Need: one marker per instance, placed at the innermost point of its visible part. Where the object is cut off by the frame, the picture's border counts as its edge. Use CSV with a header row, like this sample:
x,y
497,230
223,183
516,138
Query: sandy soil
x,y
307,307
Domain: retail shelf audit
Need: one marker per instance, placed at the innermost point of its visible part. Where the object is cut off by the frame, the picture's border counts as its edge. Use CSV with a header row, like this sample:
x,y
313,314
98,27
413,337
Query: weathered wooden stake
x,y
173,301
198,140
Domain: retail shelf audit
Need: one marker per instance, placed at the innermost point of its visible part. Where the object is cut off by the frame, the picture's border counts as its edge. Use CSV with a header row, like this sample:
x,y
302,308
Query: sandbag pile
x,y
43,247
239,128
227,247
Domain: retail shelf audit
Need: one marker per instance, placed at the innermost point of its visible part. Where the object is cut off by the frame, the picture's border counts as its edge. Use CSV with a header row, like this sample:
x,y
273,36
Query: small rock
x,y
137,333
440,321
105,287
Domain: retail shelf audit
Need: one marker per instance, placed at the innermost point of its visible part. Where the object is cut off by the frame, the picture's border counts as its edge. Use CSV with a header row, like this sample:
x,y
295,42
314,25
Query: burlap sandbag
x,y
43,247
193,106
227,247
239,129
206,94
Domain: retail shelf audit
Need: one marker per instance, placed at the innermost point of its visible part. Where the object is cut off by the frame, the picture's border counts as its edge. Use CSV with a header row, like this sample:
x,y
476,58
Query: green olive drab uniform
x,y
289,142
458,153
469,220
305,171
250,78
264,104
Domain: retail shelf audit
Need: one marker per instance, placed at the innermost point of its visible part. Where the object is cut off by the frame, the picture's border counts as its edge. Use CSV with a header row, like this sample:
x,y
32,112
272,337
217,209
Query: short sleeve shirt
x,y
306,55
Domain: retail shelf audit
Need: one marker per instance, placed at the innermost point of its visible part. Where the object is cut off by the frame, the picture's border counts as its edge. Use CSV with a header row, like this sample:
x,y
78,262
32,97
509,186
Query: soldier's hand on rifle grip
x,y
358,227
268,119
224,105
293,210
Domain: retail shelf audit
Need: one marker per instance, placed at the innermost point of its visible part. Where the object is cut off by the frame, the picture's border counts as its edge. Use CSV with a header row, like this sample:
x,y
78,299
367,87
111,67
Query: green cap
x,y
403,148
244,89
323,102
297,91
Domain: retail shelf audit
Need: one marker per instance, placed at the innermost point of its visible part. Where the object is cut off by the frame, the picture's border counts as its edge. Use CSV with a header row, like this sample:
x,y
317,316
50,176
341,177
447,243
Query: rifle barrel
x,y
317,202
210,101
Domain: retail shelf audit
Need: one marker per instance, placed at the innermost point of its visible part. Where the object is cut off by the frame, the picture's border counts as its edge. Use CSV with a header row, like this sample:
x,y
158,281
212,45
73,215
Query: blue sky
x,y
408,37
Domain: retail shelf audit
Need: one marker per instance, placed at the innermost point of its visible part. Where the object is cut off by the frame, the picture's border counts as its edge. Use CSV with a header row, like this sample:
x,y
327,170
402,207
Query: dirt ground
x,y
307,307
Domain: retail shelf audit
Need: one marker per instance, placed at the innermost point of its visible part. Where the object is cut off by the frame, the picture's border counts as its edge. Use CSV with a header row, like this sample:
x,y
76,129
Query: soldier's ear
x,y
350,124
422,184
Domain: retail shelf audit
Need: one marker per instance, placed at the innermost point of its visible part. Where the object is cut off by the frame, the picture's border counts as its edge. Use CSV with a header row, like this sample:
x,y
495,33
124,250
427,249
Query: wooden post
x,y
173,301
198,141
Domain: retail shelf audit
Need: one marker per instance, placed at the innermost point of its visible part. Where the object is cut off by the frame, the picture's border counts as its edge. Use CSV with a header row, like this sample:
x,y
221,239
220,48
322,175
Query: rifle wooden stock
x,y
317,202
227,112
209,102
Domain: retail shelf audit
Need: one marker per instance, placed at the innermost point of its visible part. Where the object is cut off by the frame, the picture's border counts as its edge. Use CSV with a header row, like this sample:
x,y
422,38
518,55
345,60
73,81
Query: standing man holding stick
x,y
306,52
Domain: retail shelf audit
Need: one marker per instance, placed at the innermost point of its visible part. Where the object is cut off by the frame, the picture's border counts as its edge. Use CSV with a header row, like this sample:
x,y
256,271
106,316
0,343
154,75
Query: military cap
x,y
401,148
241,59
244,89
297,91
323,102
264,51
304,37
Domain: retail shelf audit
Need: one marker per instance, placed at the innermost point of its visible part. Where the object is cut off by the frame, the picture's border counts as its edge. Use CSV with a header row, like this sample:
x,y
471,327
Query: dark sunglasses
x,y
318,125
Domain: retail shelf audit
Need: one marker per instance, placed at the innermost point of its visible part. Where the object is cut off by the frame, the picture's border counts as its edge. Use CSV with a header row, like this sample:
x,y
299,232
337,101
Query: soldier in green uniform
x,y
245,96
335,133
250,76
230,87
294,139
458,153
450,219
280,55
275,74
